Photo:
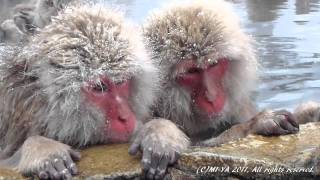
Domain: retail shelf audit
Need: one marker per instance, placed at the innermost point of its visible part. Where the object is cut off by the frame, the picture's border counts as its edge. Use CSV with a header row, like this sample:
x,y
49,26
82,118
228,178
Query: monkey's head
x,y
208,62
92,69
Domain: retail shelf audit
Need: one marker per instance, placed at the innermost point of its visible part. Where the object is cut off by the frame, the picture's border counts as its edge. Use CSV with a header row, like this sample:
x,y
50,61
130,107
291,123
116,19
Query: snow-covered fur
x,y
204,29
41,86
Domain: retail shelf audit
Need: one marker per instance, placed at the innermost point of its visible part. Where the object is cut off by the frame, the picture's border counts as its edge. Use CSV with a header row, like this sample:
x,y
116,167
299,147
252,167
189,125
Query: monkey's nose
x,y
210,96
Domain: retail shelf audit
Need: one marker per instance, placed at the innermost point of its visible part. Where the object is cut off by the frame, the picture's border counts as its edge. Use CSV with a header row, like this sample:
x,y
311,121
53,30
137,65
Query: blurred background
x,y
288,44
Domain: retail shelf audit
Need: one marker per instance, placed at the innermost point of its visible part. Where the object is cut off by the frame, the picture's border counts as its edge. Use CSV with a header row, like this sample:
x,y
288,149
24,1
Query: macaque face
x,y
113,100
205,83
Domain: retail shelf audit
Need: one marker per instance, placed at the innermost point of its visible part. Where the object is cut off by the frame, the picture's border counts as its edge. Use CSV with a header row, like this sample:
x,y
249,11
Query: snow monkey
x,y
85,79
209,71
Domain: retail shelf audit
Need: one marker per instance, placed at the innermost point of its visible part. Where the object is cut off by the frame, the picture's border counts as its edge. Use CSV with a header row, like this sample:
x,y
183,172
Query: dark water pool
x,y
288,43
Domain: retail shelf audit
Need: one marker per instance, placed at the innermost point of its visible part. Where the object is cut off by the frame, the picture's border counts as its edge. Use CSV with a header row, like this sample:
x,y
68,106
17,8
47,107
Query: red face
x,y
113,100
205,84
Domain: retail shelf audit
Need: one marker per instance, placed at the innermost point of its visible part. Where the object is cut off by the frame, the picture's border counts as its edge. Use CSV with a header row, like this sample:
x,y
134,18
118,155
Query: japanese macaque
x,y
85,79
209,71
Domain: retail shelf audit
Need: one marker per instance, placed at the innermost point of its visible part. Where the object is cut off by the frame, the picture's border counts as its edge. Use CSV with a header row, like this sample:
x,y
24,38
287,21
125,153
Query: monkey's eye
x,y
100,87
193,70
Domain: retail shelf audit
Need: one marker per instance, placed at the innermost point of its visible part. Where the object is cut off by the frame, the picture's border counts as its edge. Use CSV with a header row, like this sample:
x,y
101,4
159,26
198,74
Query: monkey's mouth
x,y
120,130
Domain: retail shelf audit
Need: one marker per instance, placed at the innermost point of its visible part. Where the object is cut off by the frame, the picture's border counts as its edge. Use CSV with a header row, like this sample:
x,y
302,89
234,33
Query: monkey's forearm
x,y
235,132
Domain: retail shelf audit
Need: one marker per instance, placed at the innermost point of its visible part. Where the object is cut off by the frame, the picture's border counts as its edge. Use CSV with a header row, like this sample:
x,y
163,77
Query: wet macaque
x,y
85,79
209,72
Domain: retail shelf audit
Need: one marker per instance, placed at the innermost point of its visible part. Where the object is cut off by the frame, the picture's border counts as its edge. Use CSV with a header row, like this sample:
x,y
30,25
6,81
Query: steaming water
x,y
288,36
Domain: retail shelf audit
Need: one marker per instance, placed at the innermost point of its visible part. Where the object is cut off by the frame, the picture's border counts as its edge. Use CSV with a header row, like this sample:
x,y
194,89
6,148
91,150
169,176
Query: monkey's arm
x,y
268,123
161,143
307,112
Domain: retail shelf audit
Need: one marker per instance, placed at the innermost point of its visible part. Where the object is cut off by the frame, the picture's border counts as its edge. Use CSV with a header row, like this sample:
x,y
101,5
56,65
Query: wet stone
x,y
255,156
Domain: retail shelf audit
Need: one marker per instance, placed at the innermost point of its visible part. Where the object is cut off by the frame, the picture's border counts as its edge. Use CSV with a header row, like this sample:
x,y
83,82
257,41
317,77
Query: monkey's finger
x,y
75,155
67,176
174,156
61,168
290,118
285,124
162,167
135,147
52,172
155,159
276,129
70,164
43,175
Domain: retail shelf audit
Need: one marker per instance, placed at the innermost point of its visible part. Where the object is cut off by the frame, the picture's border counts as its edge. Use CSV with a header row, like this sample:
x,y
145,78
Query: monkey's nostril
x,y
123,120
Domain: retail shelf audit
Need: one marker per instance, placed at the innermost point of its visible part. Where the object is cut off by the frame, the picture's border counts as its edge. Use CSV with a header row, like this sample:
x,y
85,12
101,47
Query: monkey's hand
x,y
47,159
268,123
161,143
273,123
